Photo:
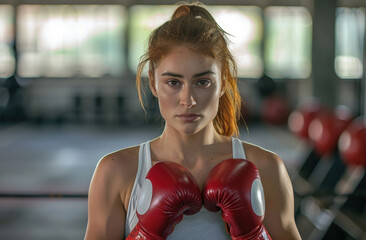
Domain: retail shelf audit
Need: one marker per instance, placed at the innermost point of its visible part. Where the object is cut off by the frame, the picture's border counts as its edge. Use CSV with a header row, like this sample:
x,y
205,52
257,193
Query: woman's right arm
x,y
107,194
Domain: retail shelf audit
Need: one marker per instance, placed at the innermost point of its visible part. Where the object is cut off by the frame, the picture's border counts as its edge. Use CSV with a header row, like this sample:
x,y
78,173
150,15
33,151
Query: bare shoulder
x,y
265,160
279,219
109,192
118,169
271,168
123,161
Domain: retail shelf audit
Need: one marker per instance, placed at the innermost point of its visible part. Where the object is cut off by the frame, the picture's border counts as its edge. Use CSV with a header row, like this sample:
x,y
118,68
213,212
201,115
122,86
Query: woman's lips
x,y
188,117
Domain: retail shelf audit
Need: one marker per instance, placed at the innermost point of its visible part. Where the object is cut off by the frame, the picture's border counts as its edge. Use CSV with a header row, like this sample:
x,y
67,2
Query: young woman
x,y
193,76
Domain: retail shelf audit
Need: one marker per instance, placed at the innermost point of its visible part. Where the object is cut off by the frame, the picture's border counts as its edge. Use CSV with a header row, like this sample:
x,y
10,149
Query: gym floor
x,y
43,159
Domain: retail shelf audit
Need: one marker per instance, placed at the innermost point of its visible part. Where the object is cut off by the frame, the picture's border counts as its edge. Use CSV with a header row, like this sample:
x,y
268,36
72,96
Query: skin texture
x,y
186,82
190,88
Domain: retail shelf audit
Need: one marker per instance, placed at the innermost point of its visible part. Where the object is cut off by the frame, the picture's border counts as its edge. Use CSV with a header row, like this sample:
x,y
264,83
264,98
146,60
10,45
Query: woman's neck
x,y
188,149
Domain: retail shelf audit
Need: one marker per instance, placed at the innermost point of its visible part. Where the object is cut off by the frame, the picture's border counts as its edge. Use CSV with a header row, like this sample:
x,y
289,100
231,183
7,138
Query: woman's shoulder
x,y
271,168
278,192
121,163
122,155
263,158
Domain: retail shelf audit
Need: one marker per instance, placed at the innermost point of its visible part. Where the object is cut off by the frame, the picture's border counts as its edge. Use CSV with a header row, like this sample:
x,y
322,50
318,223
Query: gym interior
x,y
68,97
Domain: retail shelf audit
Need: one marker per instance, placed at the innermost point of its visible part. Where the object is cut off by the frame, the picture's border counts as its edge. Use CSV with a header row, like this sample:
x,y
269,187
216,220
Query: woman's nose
x,y
186,99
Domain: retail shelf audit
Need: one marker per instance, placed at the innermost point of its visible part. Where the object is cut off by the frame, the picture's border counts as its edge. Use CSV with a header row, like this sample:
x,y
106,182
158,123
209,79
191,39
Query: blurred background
x,y
68,97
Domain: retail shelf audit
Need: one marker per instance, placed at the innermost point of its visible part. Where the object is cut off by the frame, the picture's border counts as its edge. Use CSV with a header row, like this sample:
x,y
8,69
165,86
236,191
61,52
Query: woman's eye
x,y
173,83
204,83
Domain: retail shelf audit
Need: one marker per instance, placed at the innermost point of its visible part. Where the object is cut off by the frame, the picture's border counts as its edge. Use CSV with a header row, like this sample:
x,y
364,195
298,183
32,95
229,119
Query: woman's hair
x,y
193,26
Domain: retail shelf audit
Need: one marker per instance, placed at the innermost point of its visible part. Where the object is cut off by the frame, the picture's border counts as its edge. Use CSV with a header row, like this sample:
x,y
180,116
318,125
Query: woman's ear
x,y
152,83
223,89
223,83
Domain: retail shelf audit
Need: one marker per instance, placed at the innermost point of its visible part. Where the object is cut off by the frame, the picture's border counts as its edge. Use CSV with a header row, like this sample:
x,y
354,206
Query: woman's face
x,y
188,87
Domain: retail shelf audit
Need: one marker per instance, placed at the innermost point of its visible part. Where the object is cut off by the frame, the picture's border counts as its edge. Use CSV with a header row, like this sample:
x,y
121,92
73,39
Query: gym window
x,y
245,36
287,49
71,40
143,20
7,59
349,42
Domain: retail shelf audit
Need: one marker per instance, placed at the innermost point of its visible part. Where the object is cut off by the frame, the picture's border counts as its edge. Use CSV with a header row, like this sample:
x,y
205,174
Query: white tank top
x,y
201,226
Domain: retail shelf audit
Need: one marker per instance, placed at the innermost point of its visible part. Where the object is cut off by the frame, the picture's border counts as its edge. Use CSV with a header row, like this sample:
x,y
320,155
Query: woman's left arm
x,y
279,200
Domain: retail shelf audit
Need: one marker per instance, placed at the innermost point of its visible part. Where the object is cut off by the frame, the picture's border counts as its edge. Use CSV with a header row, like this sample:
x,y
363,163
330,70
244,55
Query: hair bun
x,y
193,10
183,10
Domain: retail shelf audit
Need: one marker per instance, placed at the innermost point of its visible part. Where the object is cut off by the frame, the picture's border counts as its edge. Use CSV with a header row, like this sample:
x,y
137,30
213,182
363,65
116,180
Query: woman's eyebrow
x,y
181,76
204,73
171,74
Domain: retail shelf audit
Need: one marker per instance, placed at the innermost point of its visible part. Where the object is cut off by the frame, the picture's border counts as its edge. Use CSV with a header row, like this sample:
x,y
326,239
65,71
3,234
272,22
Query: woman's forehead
x,y
187,60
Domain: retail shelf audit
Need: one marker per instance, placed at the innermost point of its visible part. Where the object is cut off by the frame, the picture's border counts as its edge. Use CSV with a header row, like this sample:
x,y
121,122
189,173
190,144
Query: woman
x,y
193,76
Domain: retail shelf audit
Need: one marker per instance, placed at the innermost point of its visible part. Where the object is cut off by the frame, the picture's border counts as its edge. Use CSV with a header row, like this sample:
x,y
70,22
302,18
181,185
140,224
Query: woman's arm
x,y
279,215
107,193
279,219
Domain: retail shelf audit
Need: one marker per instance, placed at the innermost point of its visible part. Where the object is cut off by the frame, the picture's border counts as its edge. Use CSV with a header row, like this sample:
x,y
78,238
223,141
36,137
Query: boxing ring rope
x,y
43,195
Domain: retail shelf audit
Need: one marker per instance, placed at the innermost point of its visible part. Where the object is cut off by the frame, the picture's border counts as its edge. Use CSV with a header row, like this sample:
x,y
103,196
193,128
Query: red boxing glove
x,y
234,186
169,191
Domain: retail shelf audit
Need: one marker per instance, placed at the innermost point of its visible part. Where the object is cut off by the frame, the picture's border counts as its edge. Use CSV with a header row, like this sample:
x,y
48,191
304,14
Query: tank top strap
x,y
238,150
143,167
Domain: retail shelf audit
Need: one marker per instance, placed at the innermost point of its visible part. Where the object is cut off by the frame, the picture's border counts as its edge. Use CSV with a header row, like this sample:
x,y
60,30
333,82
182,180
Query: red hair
x,y
193,26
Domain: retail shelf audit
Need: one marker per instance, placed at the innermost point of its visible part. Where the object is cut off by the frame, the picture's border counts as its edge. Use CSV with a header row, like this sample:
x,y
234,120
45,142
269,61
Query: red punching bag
x,y
326,127
352,143
299,120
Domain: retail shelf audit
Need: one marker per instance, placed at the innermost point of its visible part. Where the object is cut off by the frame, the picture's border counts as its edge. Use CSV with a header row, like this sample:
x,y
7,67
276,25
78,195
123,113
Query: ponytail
x,y
192,25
